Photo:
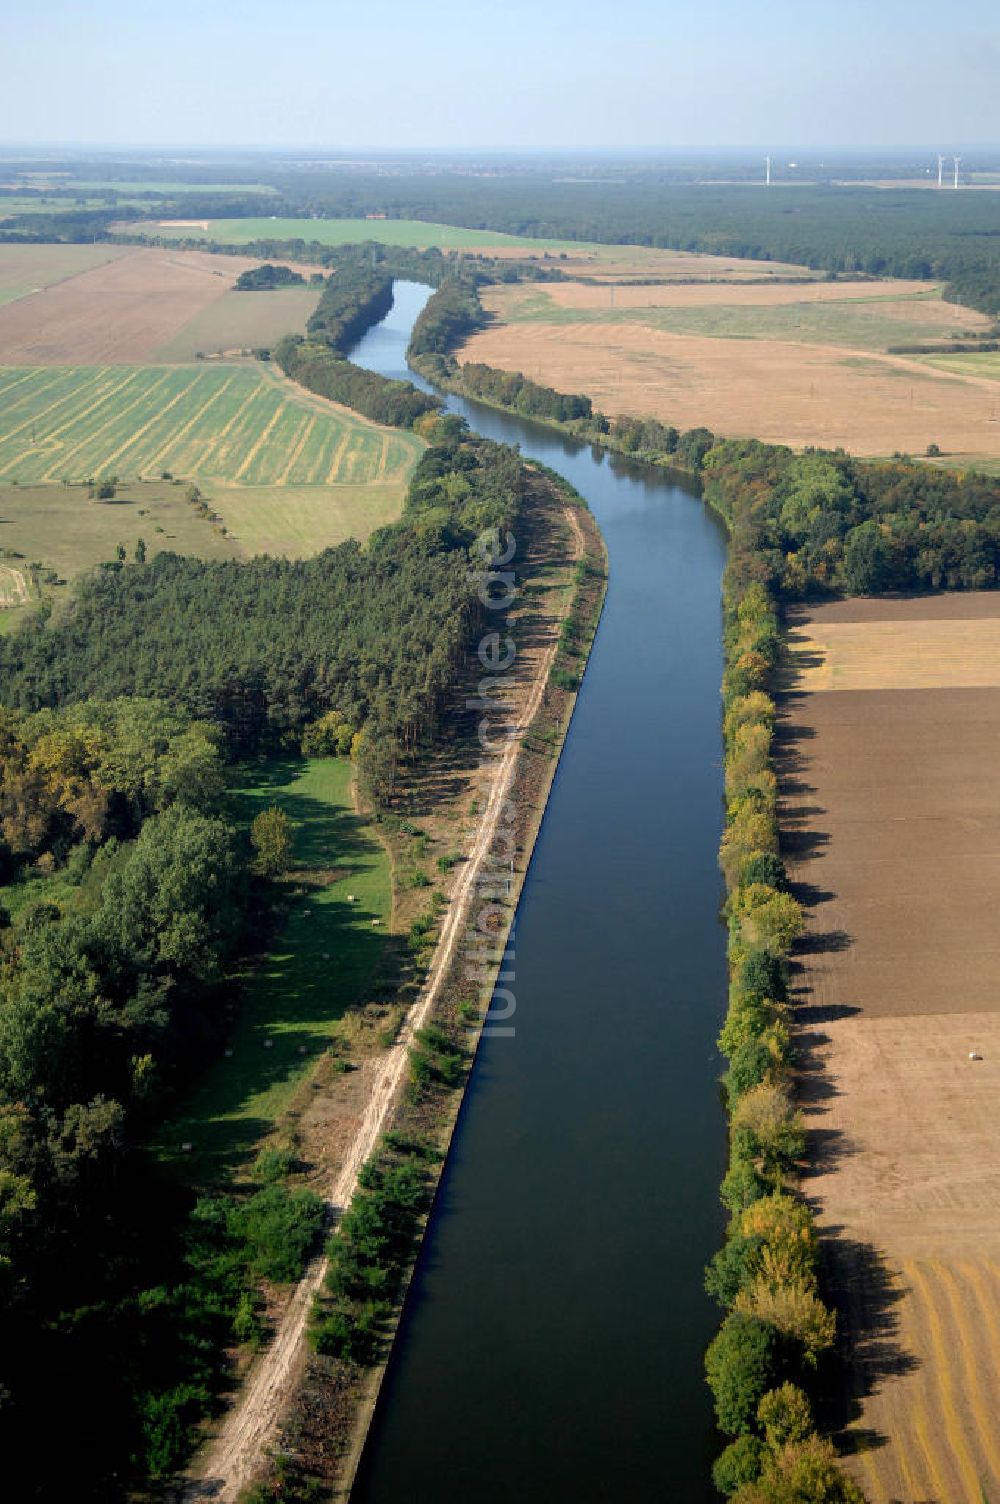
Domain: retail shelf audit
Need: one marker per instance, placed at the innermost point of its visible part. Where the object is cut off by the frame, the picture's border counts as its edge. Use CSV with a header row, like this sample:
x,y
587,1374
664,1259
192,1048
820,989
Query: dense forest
x,y
954,237
825,523
261,648
107,999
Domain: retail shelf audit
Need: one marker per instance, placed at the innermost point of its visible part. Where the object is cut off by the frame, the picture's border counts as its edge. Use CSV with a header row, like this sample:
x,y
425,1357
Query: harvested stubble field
x,y
142,304
784,364
890,731
230,423
26,269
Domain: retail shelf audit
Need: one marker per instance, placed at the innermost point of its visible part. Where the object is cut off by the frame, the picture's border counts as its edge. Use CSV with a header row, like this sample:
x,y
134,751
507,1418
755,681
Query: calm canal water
x,y
551,1348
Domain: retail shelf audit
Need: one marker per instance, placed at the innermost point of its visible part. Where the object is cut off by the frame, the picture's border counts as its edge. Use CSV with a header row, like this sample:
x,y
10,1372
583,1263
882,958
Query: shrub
x,y
330,736
747,710
763,919
750,1064
739,1365
271,839
168,1422
784,1415
764,974
278,1228
741,1187
794,1310
734,1266
767,1111
765,867
748,1018
739,1464
783,1221
803,1472
274,1163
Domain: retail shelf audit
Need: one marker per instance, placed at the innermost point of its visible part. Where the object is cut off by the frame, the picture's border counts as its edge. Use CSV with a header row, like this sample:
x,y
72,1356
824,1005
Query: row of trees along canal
x,y
800,525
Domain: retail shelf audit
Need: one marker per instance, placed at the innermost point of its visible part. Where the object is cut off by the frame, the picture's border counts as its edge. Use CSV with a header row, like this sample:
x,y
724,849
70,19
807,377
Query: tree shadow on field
x,y
866,1296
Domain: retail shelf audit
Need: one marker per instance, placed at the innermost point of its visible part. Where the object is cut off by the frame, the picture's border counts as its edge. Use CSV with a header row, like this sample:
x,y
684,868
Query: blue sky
x,y
438,73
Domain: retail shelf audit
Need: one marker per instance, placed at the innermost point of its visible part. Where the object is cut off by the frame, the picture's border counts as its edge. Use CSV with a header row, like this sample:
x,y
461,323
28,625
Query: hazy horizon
x,y
650,77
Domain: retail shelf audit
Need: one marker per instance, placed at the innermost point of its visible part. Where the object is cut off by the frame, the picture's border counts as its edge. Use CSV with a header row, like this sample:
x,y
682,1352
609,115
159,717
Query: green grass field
x,y
402,232
987,364
225,422
64,529
860,323
147,186
296,521
323,963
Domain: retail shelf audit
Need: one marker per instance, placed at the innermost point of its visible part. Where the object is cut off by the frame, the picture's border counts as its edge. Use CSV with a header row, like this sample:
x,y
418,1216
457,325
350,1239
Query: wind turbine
x,y
767,164
956,160
940,157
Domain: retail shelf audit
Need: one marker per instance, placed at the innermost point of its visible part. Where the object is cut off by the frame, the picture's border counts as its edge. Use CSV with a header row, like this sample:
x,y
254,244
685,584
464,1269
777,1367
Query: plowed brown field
x,y
891,827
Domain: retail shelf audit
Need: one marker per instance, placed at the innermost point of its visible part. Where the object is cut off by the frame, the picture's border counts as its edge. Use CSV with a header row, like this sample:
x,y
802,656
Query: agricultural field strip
x,y
855,322
946,654
985,365
228,422
112,422
919,1182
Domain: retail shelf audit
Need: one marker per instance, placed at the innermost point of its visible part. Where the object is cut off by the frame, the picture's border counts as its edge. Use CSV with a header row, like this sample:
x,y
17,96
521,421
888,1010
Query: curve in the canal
x,y
551,1346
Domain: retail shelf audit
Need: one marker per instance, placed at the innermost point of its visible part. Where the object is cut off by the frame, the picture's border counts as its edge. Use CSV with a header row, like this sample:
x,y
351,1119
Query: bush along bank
x,y
776,1329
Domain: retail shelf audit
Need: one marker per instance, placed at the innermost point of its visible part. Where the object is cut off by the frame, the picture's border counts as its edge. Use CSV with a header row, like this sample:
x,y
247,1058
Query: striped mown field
x,y
229,423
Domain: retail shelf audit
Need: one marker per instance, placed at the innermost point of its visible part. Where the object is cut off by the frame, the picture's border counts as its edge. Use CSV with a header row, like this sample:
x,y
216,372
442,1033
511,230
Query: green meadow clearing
x,y
65,529
230,423
401,232
323,962
293,522
987,364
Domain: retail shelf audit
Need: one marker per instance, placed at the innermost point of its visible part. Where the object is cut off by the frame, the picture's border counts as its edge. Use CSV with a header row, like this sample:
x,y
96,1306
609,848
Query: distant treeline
x,y
954,237
352,301
901,233
952,347
357,296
